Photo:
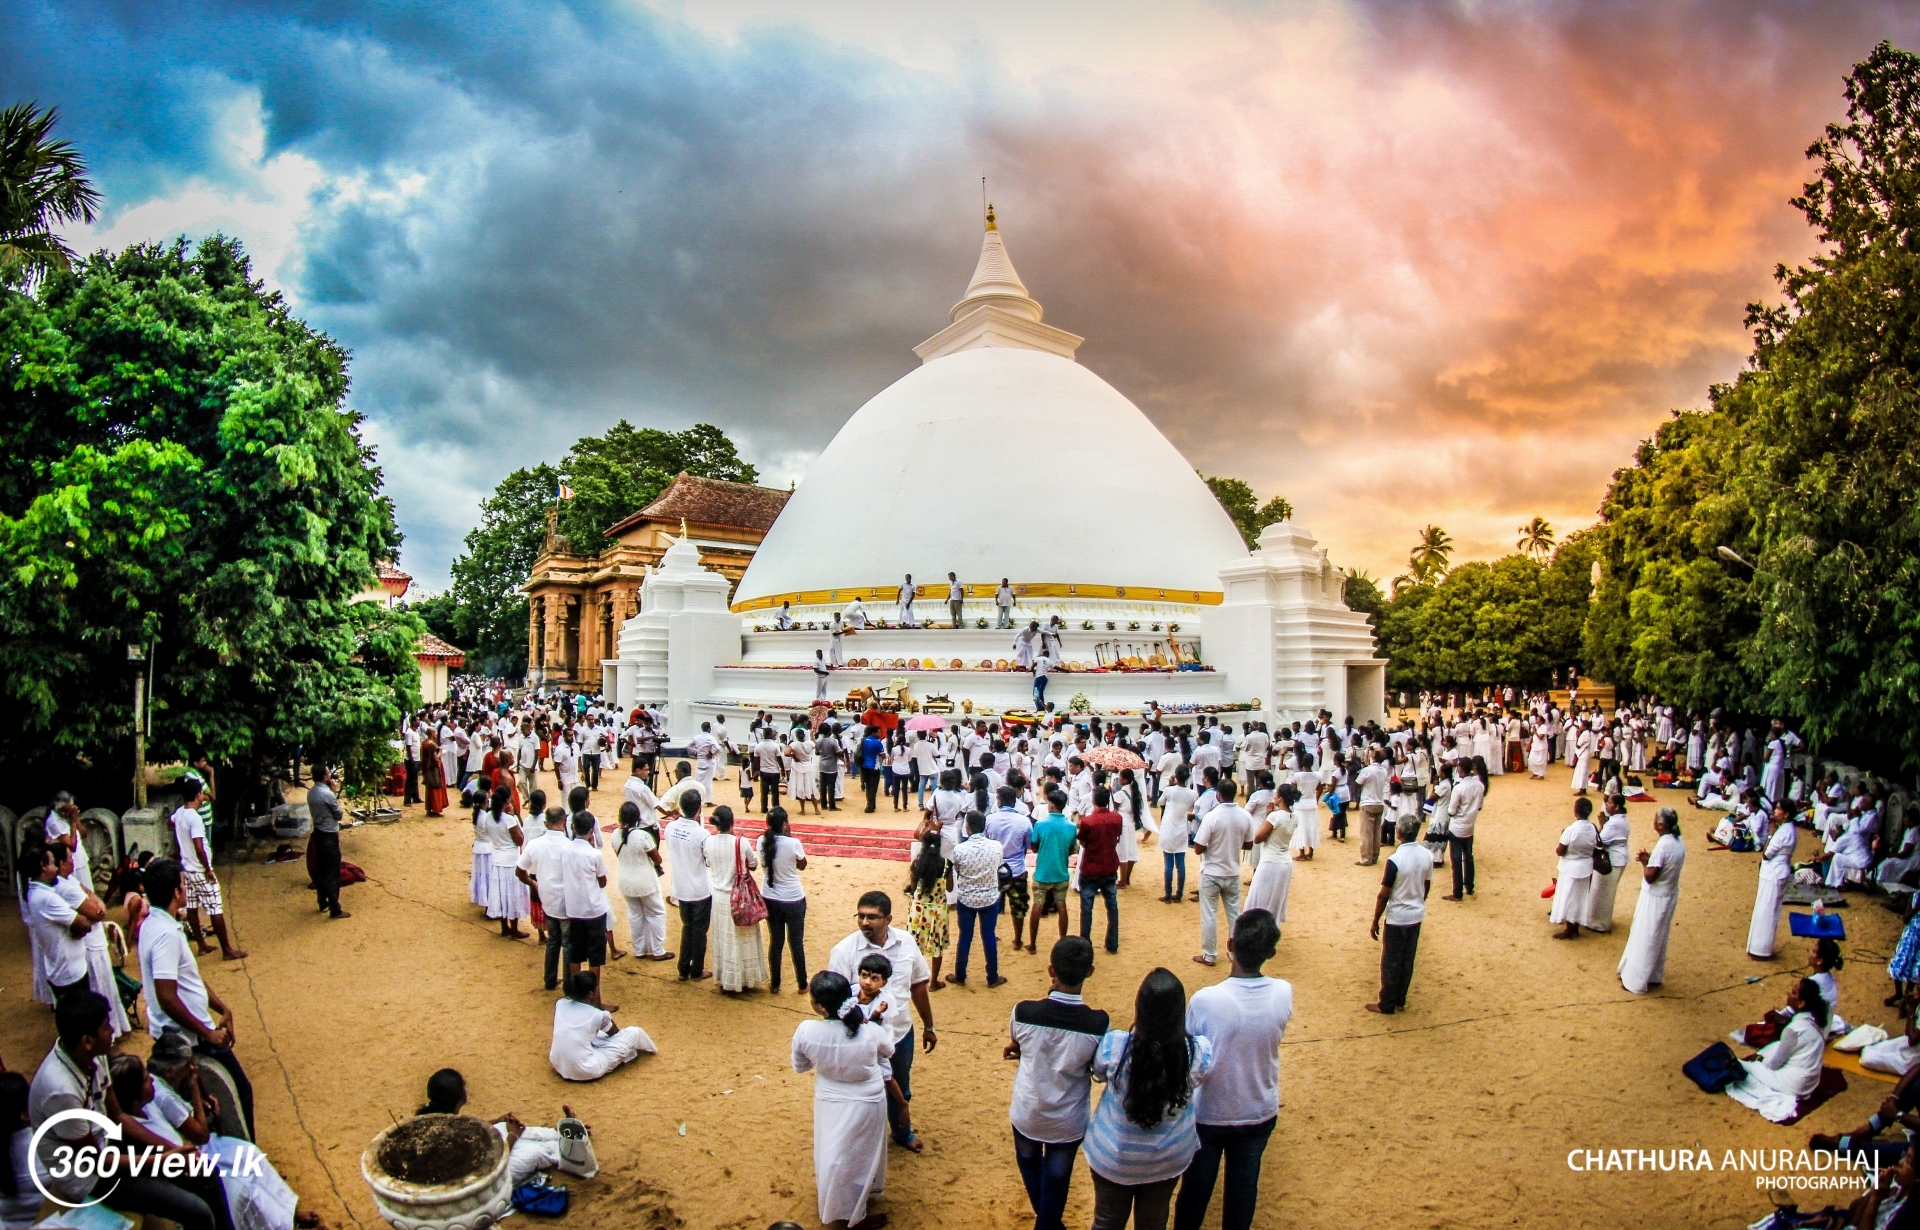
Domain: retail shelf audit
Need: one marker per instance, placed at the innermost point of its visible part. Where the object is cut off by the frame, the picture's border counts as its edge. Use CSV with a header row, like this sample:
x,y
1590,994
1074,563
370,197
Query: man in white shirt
x,y
770,763
926,766
1403,905
1079,788
1055,1040
58,928
170,980
1373,781
1463,808
1042,668
539,868
686,842
1244,1019
1206,755
584,872
976,883
527,757
196,867
908,982
1224,833
1003,603
410,739
956,599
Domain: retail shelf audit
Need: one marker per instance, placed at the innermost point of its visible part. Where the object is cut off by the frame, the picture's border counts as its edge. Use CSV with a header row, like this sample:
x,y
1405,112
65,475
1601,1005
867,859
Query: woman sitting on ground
x,y
1787,1070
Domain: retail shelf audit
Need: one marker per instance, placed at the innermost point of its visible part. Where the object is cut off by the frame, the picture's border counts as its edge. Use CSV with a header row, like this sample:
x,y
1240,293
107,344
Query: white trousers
x,y
647,924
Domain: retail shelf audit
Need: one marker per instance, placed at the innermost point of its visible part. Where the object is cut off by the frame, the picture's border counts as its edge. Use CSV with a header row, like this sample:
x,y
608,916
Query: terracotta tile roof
x,y
388,572
710,501
431,646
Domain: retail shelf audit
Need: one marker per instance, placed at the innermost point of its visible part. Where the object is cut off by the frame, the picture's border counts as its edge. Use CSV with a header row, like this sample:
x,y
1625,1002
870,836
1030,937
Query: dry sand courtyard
x,y
1459,1113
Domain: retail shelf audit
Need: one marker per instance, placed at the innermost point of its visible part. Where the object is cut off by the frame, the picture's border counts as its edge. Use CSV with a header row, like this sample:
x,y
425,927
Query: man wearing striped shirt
x,y
1054,1039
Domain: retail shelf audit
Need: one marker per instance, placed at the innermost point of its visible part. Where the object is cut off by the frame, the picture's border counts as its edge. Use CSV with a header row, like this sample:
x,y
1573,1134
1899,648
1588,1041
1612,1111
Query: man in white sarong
x,y
705,750
838,654
586,1043
1643,963
907,619
1023,645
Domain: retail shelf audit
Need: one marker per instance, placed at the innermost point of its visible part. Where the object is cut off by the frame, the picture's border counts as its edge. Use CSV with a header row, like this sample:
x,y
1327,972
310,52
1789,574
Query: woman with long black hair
x,y
784,859
1142,1136
927,904
847,1055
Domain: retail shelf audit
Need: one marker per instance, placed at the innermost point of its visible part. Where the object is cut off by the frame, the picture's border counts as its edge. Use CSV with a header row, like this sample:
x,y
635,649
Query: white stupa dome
x,y
999,457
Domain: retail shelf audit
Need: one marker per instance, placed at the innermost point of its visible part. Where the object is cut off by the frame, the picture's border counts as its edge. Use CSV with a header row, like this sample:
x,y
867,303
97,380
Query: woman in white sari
x,y
1582,745
1539,750
1787,1070
1776,870
1574,882
1306,812
803,772
1616,835
847,1056
1643,963
1272,837
739,953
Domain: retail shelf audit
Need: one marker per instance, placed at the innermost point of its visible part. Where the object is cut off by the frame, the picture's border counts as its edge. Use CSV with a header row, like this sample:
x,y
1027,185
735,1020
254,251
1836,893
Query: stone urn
x,y
476,1198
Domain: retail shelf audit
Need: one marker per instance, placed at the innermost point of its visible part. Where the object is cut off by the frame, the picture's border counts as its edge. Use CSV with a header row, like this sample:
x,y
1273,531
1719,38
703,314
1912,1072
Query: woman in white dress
x,y
803,773
507,898
1616,836
848,1056
1539,751
1643,963
566,765
1776,870
1583,741
1126,800
636,849
739,953
1176,805
1484,745
1574,884
1306,810
1787,1070
1853,849
479,885
1272,837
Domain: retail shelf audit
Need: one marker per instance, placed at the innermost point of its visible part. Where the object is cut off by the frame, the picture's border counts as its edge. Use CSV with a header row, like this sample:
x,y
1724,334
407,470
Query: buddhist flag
x,y
565,492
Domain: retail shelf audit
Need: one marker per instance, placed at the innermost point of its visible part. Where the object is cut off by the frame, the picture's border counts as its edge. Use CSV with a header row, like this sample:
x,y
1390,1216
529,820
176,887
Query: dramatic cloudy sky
x,y
1403,262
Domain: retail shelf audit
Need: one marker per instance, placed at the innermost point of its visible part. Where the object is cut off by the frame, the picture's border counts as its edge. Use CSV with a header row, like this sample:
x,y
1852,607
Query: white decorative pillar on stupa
x,y
668,651
1284,622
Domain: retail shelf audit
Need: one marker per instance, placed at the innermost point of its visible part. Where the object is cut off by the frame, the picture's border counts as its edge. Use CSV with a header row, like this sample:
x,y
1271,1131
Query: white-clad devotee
x,y
739,953
636,848
1776,872
1306,808
1583,743
1574,881
1643,963
1540,750
1781,744
1273,877
705,750
905,606
848,1056
1023,642
1616,837
1788,1069
587,1044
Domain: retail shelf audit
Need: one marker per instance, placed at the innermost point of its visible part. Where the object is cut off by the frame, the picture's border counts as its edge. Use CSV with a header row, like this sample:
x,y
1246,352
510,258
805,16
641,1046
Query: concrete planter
x,y
471,1204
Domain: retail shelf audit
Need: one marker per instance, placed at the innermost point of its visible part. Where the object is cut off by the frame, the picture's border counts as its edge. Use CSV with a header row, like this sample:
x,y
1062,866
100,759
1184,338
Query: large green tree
x,y
178,471
611,477
1513,620
1831,405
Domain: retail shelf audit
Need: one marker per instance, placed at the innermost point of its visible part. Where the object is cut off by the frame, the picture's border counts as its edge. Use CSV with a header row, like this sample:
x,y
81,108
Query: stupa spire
x,y
994,280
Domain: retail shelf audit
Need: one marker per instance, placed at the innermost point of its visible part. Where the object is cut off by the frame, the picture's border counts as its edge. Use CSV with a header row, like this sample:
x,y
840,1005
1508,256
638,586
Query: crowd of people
x,y
1012,822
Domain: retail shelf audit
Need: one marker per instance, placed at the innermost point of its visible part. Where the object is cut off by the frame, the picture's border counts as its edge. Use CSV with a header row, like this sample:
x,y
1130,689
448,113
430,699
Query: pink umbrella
x,y
926,721
1113,758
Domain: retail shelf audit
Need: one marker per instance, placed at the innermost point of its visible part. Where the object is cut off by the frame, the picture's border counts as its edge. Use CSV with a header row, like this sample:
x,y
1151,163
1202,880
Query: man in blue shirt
x,y
872,755
1053,840
1010,827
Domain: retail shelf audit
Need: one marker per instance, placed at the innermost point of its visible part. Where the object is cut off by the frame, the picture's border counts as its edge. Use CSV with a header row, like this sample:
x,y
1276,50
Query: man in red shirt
x,y
1100,866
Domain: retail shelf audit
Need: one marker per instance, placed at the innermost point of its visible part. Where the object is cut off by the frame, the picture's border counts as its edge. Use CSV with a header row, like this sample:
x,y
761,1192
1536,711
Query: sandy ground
x,y
1514,1048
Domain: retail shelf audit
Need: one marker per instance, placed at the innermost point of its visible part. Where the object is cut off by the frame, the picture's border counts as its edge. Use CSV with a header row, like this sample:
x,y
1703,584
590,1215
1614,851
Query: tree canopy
x,y
1804,468
1248,514
178,471
611,476
43,182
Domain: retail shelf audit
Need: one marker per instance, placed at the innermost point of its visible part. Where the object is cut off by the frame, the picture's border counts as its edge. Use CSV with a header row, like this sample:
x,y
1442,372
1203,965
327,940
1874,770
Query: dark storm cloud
x,y
1406,263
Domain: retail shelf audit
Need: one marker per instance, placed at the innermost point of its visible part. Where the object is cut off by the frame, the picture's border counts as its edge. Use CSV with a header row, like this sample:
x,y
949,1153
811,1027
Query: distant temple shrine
x,y
577,602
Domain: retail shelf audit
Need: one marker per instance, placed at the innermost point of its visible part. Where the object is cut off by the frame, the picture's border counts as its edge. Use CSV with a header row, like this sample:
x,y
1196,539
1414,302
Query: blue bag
x,y
1712,1069
540,1199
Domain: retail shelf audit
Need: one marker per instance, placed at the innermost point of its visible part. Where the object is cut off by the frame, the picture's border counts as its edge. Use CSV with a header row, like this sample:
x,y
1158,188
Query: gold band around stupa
x,y
891,593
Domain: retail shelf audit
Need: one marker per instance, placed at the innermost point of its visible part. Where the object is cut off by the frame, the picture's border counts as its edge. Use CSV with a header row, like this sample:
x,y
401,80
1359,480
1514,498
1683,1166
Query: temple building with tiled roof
x,y
576,603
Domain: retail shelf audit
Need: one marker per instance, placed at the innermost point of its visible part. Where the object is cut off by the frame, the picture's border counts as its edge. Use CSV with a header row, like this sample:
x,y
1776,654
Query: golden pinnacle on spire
x,y
683,527
990,222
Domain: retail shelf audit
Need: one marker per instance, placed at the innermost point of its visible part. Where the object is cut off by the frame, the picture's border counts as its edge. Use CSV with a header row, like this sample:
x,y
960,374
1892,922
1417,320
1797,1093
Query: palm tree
x,y
1536,538
1428,559
42,183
